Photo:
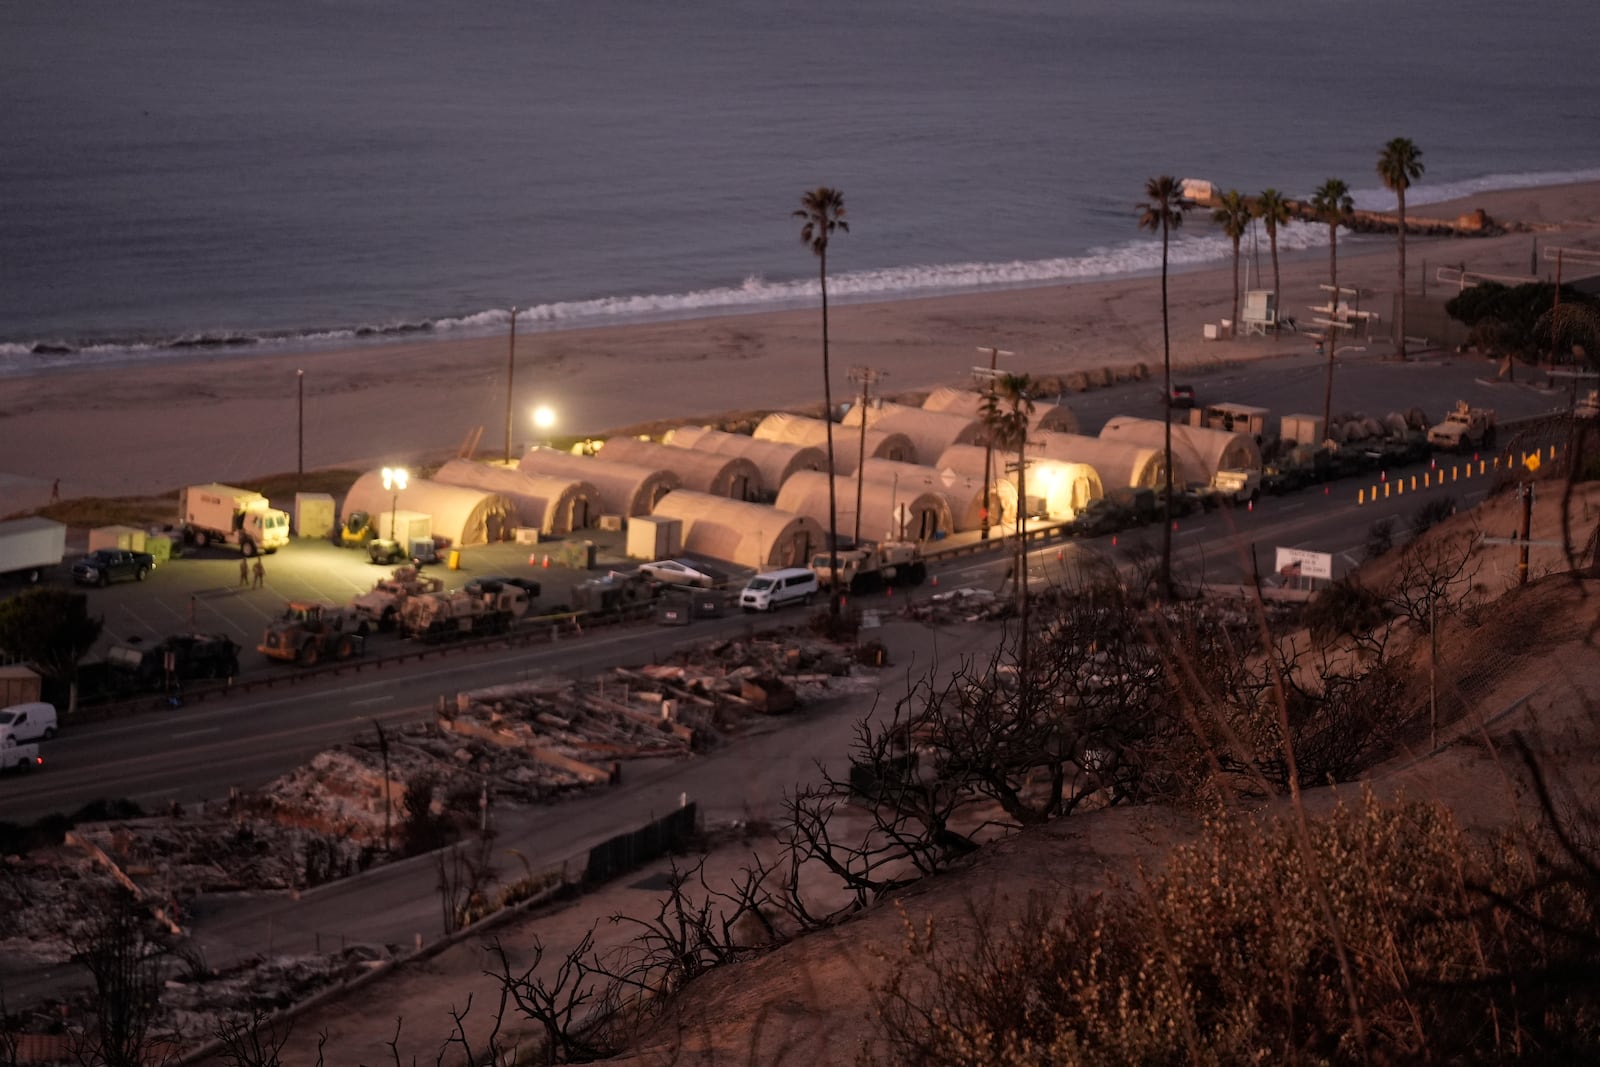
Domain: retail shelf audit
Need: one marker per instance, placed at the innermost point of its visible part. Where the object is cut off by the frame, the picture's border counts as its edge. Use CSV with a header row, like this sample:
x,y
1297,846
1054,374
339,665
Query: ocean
x,y
251,177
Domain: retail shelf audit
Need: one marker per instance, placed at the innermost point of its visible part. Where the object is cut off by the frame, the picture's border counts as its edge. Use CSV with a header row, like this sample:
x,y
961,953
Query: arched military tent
x,y
1057,418
802,430
1118,464
702,472
962,493
1061,489
1197,453
549,505
922,514
775,459
930,432
741,533
624,489
465,516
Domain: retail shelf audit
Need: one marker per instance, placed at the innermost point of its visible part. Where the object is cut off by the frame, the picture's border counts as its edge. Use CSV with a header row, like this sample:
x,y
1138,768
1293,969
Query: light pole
x,y
511,371
1327,395
300,428
544,418
394,479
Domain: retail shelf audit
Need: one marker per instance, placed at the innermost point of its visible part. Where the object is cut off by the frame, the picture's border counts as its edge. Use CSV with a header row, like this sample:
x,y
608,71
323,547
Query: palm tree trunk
x,y
1166,372
1400,318
1277,297
1022,567
827,417
1235,285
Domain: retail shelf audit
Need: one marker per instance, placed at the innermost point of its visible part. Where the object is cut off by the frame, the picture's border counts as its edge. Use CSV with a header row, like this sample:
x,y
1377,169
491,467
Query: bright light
x,y
394,478
543,417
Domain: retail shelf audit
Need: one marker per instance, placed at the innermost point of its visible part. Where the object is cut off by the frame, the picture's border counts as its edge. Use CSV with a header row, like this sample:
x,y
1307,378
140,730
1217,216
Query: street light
x,y
394,479
544,418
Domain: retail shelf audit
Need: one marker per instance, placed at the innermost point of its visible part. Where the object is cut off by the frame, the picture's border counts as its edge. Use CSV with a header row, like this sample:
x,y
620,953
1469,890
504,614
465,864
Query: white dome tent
x,y
887,511
625,489
703,472
1197,453
930,432
1063,488
1046,416
464,516
1118,464
775,459
742,533
803,430
547,504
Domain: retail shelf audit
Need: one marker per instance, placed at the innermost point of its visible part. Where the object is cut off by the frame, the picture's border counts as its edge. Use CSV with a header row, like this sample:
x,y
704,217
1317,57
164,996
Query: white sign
x,y
948,477
1298,563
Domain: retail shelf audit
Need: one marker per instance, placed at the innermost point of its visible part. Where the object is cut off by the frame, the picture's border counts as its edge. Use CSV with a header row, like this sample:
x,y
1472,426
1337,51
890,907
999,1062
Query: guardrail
x,y
546,629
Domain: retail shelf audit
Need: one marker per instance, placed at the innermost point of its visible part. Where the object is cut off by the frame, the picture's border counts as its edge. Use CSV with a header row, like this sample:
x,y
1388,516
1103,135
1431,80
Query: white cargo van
x,y
27,722
774,589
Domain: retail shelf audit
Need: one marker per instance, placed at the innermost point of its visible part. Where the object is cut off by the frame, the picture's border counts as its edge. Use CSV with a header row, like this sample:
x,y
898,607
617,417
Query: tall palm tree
x,y
1007,414
1332,204
822,212
1272,208
1162,213
1234,215
1400,164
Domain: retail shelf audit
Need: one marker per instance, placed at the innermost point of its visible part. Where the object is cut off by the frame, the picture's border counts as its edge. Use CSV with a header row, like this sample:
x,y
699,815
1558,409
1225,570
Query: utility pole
x,y
868,377
1527,531
300,428
988,442
511,370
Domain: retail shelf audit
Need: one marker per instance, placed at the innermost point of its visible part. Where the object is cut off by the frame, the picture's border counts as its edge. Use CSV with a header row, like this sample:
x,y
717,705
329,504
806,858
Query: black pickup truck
x,y
106,565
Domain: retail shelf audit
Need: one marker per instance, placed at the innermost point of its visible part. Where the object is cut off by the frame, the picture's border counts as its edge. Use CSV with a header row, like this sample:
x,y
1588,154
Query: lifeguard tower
x,y
1259,314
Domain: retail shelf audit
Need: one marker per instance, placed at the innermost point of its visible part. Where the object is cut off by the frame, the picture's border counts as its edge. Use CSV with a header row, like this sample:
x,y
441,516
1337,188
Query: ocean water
x,y
249,176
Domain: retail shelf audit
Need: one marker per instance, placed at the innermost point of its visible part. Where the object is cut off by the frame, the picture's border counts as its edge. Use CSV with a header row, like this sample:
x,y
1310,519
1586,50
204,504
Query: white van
x,y
774,589
27,722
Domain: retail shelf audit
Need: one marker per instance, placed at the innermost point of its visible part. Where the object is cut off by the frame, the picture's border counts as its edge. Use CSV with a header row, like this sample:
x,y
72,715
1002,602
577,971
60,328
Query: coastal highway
x,y
202,751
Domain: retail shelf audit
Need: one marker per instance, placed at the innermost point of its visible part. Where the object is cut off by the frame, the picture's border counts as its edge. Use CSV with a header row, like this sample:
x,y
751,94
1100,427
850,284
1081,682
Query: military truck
x,y
381,605
444,616
311,631
1464,428
610,593
214,513
868,568
179,657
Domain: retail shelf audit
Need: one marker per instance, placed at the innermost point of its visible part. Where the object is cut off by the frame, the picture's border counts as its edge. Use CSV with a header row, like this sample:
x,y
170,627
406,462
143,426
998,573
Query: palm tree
x,y
822,210
1332,204
1272,208
1007,414
1234,215
1162,213
1400,164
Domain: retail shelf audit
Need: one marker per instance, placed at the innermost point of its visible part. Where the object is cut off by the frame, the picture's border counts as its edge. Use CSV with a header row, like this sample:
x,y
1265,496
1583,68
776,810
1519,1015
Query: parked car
x,y
492,583
1099,516
106,565
679,572
1183,396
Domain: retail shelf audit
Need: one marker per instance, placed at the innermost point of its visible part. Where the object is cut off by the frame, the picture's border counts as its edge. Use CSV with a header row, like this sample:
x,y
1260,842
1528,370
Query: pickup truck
x,y
106,565
20,757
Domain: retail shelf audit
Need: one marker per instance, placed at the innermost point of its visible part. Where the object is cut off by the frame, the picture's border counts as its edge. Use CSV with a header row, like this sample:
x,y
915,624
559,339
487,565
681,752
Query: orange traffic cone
x,y
1060,555
936,581
1251,506
533,559
547,563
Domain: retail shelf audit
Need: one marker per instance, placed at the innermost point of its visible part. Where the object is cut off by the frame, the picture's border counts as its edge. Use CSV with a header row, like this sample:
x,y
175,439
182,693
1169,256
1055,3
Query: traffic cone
x,y
547,563
1113,540
936,581
533,559
1250,505
888,590
1060,556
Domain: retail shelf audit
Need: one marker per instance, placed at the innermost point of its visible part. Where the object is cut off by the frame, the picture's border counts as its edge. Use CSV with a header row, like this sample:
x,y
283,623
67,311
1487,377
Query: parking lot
x,y
201,591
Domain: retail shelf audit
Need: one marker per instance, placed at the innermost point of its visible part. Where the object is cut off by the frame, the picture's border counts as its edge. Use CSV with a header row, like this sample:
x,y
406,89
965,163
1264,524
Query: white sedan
x,y
678,572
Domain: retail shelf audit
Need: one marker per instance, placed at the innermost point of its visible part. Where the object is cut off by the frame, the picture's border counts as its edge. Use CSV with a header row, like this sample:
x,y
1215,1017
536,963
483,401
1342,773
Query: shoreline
x,y
130,428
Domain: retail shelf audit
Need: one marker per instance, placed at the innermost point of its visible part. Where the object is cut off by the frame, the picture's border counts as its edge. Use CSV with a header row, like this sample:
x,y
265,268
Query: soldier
x,y
244,571
260,573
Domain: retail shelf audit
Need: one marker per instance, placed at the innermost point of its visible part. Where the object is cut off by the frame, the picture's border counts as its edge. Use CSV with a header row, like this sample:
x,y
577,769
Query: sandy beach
x,y
148,428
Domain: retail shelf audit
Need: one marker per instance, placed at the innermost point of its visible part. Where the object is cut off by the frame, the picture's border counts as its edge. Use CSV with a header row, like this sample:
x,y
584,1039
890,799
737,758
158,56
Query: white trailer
x,y
28,546
224,514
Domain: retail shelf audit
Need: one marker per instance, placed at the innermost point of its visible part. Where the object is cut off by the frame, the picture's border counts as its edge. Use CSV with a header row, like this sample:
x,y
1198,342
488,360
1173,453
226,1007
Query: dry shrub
x,y
1459,952
1078,382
